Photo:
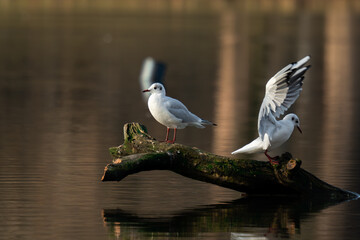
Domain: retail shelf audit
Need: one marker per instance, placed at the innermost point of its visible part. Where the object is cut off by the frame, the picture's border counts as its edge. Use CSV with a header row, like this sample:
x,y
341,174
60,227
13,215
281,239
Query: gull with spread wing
x,y
282,90
171,112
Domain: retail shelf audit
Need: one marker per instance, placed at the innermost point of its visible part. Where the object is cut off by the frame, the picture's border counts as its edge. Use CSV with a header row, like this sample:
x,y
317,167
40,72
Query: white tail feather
x,y
253,147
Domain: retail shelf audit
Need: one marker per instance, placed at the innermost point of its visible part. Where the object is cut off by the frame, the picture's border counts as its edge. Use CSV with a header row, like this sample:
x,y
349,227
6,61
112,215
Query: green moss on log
x,y
141,152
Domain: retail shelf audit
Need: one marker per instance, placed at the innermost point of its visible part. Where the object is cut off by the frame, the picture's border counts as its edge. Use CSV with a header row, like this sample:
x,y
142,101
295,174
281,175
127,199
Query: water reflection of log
x,y
140,152
255,216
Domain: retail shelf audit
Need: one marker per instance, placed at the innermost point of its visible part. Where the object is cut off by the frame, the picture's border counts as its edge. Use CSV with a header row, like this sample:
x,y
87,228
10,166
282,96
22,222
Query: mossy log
x,y
141,152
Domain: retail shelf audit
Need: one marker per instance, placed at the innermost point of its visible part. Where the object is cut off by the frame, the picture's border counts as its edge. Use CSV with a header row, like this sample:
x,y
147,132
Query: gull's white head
x,y
156,88
294,119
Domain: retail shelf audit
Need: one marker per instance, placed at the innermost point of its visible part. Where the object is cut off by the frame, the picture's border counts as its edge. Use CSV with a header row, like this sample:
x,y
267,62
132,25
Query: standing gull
x,y
171,112
281,92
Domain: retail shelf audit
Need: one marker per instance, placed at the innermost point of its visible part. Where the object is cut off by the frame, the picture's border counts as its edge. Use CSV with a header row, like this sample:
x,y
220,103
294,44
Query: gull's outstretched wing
x,y
282,90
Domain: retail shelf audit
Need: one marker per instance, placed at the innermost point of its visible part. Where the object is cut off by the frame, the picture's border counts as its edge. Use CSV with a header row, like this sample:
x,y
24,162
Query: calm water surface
x,y
69,81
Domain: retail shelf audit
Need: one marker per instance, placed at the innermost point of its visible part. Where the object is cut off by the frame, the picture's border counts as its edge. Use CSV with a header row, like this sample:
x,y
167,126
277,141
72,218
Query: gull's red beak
x,y
146,90
299,129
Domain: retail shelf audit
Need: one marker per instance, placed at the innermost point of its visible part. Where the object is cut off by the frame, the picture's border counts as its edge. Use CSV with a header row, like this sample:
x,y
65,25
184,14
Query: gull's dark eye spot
x,y
292,119
155,88
297,121
160,88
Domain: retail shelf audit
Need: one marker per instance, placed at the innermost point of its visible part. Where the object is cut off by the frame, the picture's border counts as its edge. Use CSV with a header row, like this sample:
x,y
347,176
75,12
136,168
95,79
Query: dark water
x,y
69,81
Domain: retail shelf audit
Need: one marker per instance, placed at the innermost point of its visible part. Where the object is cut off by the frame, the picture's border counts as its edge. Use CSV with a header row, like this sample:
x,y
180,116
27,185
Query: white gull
x,y
171,112
282,90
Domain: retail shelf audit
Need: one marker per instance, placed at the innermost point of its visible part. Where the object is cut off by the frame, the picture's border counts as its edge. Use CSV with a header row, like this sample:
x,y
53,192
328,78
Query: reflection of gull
x,y
247,236
171,112
281,92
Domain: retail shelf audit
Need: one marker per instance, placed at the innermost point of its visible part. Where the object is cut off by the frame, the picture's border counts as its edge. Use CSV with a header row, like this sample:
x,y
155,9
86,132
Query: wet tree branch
x,y
141,152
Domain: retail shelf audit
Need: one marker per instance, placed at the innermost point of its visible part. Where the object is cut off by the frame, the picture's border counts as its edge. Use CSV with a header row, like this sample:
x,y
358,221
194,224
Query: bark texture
x,y
141,152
